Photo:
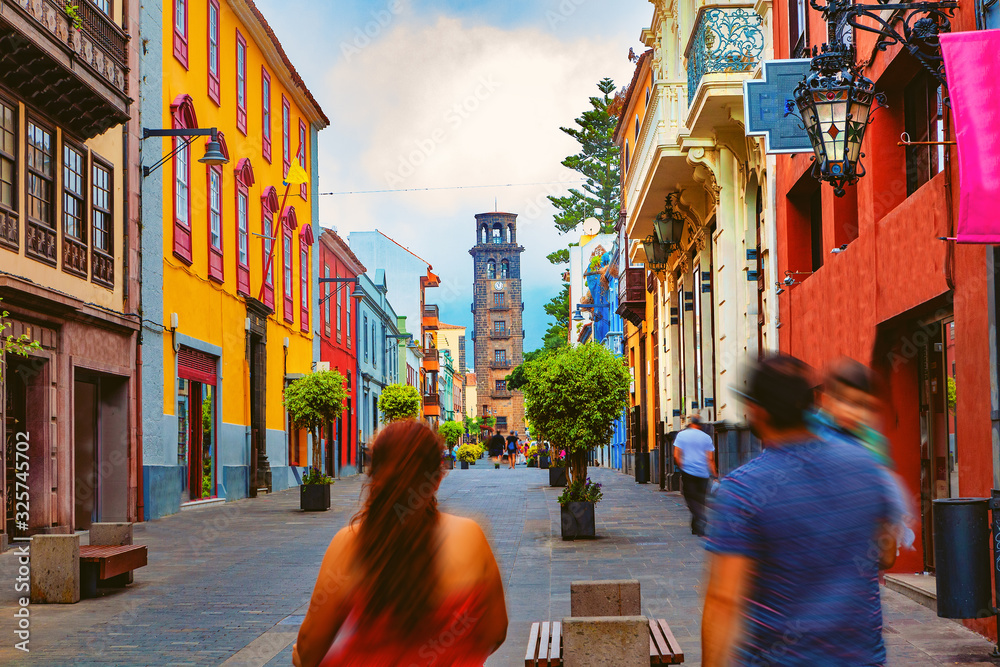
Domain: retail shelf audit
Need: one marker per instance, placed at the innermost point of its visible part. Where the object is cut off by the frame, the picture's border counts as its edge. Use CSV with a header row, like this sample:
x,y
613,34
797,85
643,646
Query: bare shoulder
x,y
465,532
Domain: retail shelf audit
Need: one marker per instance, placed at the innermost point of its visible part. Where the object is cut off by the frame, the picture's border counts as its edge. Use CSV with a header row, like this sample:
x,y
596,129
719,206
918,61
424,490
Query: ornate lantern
x,y
834,102
668,228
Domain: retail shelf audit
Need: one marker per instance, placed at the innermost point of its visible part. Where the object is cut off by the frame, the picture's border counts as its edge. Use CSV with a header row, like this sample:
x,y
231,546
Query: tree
x,y
559,256
19,345
598,162
313,401
573,398
452,433
398,402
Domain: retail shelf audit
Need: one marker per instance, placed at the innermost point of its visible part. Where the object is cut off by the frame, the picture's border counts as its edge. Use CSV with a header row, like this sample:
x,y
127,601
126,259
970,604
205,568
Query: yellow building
x,y
229,339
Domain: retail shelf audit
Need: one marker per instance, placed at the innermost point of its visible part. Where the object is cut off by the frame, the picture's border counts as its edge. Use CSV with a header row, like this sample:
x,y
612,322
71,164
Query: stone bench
x,y
623,641
60,565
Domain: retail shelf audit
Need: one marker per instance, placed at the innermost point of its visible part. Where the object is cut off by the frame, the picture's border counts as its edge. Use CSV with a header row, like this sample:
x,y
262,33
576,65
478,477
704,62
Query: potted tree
x,y
314,493
557,468
312,401
398,402
467,455
573,397
451,432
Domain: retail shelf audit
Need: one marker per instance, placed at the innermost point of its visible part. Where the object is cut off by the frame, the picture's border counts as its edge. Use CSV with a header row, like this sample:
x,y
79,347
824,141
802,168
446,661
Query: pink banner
x,y
972,64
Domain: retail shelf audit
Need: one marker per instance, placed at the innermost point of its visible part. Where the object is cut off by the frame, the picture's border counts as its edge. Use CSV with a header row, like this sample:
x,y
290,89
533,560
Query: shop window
x,y
924,119
265,113
181,31
241,83
214,92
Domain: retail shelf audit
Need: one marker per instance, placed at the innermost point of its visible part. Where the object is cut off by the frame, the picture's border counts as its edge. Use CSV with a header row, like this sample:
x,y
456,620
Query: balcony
x,y
431,317
431,400
724,48
501,365
499,307
500,393
432,359
78,76
632,295
500,335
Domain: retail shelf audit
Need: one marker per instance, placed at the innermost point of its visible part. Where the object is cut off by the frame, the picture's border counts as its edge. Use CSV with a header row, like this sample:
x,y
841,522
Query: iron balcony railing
x,y
726,39
500,335
500,364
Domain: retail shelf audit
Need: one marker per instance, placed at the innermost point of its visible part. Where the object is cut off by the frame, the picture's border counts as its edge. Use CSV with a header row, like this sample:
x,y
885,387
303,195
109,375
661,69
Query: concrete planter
x,y
578,520
465,465
557,476
314,497
448,463
543,462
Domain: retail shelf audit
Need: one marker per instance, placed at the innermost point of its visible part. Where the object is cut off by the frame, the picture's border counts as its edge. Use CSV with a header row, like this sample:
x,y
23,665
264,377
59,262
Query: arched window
x,y
497,233
505,269
510,233
482,234
491,269
184,117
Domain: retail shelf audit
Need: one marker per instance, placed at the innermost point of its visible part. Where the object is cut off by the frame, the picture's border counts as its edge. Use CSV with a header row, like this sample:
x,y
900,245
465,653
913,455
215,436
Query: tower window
x,y
491,269
505,269
497,234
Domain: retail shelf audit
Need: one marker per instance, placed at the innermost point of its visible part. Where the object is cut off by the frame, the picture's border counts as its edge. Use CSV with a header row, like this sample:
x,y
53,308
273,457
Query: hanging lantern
x,y
834,102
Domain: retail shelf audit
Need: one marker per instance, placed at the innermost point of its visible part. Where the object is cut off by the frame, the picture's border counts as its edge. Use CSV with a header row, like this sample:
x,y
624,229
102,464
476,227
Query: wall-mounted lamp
x,y
246,324
286,342
213,150
780,289
340,282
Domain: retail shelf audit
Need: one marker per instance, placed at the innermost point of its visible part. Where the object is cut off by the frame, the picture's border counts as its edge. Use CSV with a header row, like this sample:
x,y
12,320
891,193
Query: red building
x,y
895,296
337,346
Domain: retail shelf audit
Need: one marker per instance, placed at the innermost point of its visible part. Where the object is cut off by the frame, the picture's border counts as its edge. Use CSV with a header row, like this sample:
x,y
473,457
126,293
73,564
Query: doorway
x,y
15,422
196,412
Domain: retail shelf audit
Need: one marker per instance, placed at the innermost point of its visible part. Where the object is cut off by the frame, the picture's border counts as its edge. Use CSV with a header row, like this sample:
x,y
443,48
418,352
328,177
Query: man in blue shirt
x,y
796,539
694,452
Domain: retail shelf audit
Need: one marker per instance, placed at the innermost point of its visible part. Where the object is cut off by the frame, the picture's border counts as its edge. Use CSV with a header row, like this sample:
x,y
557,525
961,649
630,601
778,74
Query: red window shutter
x,y
304,284
266,121
181,32
267,225
241,82
288,290
196,366
214,36
215,263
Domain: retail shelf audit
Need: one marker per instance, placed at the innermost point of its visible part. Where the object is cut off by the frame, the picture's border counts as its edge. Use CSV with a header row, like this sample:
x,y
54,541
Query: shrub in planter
x,y
577,509
467,454
314,492
452,432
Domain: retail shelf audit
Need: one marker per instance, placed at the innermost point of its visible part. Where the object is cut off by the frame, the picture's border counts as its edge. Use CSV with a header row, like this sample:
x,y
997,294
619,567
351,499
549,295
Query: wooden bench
x,y
104,563
545,638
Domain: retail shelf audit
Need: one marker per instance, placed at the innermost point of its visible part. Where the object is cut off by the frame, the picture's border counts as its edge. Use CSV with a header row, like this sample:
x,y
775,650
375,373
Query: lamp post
x,y
358,293
213,149
834,101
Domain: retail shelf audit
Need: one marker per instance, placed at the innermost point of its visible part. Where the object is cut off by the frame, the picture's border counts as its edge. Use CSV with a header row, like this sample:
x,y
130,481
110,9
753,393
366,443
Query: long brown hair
x,y
397,537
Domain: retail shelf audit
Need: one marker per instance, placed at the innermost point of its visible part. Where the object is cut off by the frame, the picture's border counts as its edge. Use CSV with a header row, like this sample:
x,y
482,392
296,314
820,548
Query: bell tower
x,y
497,312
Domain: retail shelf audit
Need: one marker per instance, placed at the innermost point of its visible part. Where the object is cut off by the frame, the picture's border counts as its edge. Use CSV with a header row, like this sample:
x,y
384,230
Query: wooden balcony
x,y
432,359
632,295
431,318
432,400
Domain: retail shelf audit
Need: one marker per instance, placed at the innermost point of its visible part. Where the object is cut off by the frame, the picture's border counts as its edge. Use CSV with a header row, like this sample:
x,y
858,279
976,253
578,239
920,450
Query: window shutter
x,y
196,366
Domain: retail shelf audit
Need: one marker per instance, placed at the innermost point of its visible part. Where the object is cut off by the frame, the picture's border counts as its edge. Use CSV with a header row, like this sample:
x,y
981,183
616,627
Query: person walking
x,y
402,574
795,541
496,447
694,453
512,449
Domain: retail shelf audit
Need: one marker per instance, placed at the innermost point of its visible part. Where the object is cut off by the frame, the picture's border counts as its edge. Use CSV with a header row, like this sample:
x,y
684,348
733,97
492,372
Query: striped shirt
x,y
808,514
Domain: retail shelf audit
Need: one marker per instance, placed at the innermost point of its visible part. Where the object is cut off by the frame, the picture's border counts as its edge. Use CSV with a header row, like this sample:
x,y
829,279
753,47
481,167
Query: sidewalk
x,y
228,584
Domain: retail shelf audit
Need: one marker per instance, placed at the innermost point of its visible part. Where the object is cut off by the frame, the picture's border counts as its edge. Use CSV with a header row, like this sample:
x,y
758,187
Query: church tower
x,y
497,312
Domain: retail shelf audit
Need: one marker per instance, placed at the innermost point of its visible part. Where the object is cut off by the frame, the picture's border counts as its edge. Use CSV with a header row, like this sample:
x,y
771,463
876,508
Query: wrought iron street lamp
x,y
213,149
668,228
835,100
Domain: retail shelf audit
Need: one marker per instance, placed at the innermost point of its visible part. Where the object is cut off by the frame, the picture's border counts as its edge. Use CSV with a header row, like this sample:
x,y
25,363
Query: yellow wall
x,y
206,310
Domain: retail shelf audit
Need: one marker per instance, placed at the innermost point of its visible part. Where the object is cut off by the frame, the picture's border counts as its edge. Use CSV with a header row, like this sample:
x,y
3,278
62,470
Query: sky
x,y
446,93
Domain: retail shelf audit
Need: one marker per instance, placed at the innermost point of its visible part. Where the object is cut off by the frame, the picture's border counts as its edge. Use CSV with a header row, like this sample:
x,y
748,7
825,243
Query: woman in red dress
x,y
404,584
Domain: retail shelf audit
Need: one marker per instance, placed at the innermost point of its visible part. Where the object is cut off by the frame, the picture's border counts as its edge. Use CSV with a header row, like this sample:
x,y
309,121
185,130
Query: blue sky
x,y
441,93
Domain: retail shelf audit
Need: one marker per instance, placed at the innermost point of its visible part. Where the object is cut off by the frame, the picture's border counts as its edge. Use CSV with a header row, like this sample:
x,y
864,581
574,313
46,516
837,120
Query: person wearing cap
x,y
694,453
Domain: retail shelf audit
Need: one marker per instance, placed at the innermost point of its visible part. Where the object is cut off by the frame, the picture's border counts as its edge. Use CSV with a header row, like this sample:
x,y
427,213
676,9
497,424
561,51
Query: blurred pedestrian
x,y
694,452
404,583
496,447
796,538
512,449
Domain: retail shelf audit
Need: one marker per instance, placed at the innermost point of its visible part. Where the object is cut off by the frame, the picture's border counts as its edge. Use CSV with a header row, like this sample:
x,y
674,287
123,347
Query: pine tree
x,y
598,162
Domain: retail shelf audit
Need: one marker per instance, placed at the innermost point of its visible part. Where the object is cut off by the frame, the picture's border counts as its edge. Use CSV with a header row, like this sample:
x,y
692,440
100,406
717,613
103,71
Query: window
x,y
505,269
182,200
491,269
327,297
635,134
374,360
648,93
265,113
797,28
102,232
181,32
348,299
816,229
74,169
304,284
213,52
498,300
243,239
267,229
286,263
215,223
286,141
628,156
500,326
500,356
497,234
366,337
9,231
501,385
241,83
303,188
922,109
104,6
41,176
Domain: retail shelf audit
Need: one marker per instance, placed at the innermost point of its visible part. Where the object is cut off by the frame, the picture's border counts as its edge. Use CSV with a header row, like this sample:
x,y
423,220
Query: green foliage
x,y
952,394
314,400
573,397
595,263
398,402
73,12
579,491
468,453
598,162
19,345
451,432
488,421
315,476
559,256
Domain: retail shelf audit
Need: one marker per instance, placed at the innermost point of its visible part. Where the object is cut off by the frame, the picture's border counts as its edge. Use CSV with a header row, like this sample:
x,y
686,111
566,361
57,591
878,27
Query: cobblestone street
x,y
228,584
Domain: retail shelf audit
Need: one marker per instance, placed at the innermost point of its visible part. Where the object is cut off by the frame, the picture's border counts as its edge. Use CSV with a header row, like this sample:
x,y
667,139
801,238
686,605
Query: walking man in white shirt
x,y
694,452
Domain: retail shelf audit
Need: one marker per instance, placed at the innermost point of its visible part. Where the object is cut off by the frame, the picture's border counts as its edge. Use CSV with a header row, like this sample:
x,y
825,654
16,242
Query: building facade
x,y
230,267
451,337
497,312
337,332
378,353
68,264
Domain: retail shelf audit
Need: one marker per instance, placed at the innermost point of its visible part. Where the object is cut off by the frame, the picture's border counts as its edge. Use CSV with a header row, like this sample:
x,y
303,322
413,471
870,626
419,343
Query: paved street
x,y
228,584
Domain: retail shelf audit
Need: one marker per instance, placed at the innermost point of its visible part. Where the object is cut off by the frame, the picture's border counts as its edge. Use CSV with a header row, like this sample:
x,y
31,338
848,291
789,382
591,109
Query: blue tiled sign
x,y
764,103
